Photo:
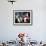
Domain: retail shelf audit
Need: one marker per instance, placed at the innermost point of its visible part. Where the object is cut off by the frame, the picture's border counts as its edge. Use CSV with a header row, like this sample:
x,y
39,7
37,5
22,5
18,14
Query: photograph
x,y
22,16
22,22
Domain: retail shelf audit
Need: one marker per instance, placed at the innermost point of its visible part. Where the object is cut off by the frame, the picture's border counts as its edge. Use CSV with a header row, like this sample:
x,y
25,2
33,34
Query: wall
x,y
37,31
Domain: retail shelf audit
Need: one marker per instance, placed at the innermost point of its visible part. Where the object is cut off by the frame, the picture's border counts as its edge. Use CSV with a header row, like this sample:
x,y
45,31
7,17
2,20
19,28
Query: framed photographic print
x,y
22,17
